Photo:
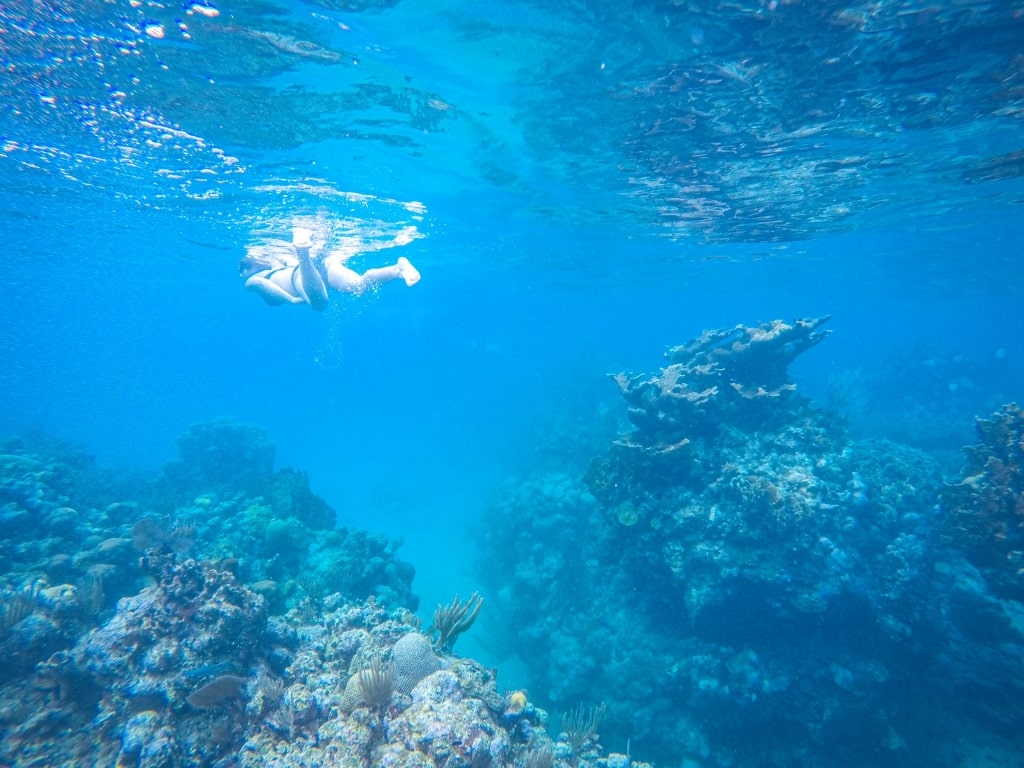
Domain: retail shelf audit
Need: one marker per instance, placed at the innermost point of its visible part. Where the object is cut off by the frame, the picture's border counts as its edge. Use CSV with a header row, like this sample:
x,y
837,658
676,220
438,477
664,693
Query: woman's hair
x,y
250,265
260,257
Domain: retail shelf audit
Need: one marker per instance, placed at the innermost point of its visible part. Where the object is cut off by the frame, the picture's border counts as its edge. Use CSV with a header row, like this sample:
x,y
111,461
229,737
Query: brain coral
x,y
414,659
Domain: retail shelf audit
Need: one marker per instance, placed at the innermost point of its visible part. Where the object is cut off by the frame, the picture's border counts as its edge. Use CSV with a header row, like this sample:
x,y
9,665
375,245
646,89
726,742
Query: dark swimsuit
x,y
318,264
267,273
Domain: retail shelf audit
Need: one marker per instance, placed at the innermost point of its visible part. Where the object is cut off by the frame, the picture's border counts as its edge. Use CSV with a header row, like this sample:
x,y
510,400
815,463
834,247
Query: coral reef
x,y
221,455
984,512
742,583
737,581
730,376
220,501
148,689
231,630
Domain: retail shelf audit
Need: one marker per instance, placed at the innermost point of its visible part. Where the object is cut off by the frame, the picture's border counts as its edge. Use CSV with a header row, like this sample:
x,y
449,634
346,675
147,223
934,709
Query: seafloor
x,y
735,581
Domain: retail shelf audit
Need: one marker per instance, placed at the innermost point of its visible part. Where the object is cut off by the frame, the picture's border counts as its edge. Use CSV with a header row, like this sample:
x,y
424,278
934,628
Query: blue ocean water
x,y
588,183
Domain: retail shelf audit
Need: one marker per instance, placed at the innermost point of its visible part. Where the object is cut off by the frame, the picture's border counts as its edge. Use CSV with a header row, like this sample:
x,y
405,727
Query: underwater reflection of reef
x,y
743,583
355,5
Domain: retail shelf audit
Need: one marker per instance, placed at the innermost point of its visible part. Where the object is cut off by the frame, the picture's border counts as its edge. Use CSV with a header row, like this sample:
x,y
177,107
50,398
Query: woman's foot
x,y
408,272
302,238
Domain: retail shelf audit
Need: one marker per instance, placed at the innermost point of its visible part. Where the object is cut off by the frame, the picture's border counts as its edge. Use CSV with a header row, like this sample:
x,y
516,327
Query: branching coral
x,y
580,725
734,376
452,620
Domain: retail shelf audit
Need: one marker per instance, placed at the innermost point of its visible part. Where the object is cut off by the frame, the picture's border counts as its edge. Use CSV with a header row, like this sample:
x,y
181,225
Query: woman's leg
x,y
309,282
341,278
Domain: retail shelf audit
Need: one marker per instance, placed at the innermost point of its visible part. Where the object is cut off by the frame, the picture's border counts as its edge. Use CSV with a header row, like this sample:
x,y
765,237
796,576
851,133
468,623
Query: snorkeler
x,y
282,281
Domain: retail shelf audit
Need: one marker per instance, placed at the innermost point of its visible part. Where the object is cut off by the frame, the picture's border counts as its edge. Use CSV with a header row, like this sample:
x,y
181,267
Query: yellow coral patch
x,y
516,702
